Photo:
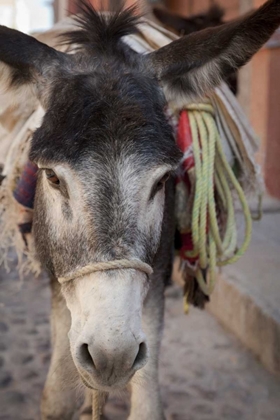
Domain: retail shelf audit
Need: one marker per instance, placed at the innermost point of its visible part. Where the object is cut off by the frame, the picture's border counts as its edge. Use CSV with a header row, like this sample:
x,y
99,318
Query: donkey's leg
x,y
145,399
59,400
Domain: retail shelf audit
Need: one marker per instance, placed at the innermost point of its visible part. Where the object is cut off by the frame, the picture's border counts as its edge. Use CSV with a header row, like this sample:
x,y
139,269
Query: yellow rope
x,y
98,402
95,406
214,176
133,263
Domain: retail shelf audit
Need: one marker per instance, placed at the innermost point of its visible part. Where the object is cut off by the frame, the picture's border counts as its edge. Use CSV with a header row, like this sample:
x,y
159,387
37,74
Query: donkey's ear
x,y
195,64
26,63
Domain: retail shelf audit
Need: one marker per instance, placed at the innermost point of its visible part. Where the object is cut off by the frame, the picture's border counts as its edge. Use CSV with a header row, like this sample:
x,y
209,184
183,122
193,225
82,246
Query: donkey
x,y
106,160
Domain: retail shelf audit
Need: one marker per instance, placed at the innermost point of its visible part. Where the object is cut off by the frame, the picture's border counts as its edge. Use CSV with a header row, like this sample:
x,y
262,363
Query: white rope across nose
x,y
108,265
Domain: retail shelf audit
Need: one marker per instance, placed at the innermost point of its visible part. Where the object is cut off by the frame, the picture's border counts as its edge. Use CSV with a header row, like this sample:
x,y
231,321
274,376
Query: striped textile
x,y
24,192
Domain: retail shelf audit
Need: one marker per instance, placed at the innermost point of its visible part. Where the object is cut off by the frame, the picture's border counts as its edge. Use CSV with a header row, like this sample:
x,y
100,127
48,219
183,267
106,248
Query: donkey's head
x,y
104,152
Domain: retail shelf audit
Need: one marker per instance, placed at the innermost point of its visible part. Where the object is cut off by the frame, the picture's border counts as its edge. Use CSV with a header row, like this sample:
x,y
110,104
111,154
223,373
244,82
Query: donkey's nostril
x,y
86,356
101,361
141,357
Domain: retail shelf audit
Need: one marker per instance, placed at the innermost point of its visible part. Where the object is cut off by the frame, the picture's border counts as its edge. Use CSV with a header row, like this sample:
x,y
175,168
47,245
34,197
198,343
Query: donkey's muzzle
x,y
106,338
110,366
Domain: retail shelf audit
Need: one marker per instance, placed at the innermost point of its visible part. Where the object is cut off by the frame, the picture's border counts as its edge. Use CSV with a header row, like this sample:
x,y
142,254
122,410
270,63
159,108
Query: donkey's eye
x,y
160,184
51,177
162,181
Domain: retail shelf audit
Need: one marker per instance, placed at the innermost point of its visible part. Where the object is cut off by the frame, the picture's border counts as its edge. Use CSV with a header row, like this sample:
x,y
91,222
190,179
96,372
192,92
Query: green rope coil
x,y
214,177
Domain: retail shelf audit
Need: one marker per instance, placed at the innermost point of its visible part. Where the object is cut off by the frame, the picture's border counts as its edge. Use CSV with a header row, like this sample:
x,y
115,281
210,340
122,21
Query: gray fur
x,y
106,137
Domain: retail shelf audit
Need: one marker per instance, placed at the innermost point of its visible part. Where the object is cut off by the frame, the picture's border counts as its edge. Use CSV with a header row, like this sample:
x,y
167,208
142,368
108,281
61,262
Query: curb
x,y
240,314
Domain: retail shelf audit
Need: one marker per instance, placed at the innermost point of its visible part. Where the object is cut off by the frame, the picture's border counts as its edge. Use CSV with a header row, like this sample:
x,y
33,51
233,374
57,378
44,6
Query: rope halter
x,y
134,264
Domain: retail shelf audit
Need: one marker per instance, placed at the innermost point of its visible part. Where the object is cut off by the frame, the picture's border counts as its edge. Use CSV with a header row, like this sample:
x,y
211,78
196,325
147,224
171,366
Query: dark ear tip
x,y
170,19
159,11
162,13
216,11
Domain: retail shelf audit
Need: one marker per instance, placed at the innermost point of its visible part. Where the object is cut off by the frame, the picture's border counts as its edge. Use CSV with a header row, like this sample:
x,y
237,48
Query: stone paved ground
x,y
205,373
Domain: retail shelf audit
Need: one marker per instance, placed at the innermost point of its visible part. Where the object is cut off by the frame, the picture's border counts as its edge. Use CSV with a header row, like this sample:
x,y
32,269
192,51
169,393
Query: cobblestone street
x,y
205,373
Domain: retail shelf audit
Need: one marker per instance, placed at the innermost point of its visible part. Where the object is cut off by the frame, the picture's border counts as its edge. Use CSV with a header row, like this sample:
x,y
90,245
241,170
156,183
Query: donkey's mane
x,y
102,31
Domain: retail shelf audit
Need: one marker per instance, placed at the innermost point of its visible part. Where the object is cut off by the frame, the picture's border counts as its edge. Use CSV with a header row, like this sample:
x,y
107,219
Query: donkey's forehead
x,y
102,116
